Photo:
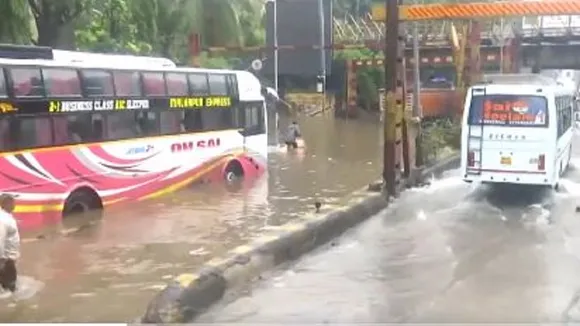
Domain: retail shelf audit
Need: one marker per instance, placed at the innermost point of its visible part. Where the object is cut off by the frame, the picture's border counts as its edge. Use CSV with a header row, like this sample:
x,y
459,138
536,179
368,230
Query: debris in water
x,y
317,205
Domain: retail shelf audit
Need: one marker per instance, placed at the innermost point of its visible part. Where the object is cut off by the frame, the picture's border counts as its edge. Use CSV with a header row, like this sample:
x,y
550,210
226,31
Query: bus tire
x,y
233,171
82,200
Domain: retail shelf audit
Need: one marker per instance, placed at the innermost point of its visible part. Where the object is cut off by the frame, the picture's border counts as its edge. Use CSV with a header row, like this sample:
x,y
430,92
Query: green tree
x,y
15,19
54,21
110,25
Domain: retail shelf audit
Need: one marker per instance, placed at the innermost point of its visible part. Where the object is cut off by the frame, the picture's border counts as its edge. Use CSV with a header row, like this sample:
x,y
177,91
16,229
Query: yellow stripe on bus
x,y
113,201
38,208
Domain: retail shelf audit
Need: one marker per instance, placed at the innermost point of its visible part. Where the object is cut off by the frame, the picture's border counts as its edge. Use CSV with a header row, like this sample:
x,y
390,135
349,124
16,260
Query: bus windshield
x,y
509,110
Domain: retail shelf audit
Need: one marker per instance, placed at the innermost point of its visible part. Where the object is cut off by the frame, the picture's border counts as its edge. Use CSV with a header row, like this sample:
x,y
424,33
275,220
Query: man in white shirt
x,y
10,243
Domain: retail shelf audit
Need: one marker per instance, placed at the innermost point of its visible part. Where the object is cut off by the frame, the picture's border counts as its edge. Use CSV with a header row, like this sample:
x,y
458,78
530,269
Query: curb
x,y
189,295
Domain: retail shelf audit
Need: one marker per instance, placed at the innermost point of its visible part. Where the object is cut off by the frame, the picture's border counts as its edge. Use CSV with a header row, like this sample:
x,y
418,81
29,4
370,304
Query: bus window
x,y
217,84
2,84
121,125
176,84
61,82
218,119
232,85
192,121
147,123
97,83
127,83
27,132
60,127
26,82
97,127
171,122
79,129
198,84
154,84
564,114
252,118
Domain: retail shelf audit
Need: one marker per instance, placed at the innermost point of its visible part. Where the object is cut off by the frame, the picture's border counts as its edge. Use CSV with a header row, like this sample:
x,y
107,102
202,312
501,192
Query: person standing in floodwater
x,y
9,243
292,133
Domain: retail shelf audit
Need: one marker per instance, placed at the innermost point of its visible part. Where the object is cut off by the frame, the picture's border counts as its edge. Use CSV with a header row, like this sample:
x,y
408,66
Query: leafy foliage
x,y
156,27
440,137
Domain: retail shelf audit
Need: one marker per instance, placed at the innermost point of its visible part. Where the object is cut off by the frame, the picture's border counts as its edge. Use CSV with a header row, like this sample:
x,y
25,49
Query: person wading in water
x,y
292,133
9,243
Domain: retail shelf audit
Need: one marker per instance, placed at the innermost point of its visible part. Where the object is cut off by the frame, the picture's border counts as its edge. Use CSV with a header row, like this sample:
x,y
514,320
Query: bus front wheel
x,y
81,201
233,171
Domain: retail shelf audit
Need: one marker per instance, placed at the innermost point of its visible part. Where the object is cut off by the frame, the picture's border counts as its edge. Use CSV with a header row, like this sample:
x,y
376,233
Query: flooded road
x,y
107,271
446,253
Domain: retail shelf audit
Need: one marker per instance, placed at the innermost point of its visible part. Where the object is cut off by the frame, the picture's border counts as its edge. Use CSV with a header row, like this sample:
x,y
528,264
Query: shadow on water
x,y
512,196
516,203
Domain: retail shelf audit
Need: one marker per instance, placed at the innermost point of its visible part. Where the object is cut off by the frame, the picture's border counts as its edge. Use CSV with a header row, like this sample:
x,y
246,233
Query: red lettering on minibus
x,y
190,145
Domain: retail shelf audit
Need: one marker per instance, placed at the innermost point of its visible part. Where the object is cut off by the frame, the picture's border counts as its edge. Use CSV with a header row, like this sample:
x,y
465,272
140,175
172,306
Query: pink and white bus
x,y
76,135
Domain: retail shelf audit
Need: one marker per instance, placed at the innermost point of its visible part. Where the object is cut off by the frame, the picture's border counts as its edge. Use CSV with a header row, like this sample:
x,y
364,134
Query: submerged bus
x,y
517,129
77,136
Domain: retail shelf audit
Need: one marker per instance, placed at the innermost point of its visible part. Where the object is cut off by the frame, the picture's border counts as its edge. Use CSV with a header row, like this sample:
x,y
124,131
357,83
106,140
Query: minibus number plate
x,y
506,160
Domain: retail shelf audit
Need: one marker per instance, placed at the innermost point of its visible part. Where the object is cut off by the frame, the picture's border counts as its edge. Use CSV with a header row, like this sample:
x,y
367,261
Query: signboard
x,y
511,110
379,12
86,105
298,25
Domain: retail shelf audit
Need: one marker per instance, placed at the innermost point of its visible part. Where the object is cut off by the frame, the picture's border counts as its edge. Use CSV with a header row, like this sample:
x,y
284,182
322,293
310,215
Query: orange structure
x,y
481,10
437,103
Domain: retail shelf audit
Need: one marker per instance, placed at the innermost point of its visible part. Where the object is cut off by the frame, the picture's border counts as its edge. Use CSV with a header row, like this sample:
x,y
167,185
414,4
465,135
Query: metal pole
x,y
501,46
276,45
389,125
277,117
417,109
322,52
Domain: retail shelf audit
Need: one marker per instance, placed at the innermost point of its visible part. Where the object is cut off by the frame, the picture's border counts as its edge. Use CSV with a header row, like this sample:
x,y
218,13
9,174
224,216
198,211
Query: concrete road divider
x,y
189,295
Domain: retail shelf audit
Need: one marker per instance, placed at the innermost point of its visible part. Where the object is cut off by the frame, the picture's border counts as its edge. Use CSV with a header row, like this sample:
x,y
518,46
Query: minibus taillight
x,y
541,162
470,159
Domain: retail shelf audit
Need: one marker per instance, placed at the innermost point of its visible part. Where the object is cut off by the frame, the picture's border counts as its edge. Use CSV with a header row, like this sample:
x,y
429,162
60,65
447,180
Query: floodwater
x,y
447,253
107,270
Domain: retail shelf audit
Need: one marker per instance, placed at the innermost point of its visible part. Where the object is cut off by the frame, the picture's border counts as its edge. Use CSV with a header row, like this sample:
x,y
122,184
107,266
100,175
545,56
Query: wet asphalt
x,y
449,252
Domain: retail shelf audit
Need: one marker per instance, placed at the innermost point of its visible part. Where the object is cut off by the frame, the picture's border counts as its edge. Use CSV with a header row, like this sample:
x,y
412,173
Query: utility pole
x,y
394,99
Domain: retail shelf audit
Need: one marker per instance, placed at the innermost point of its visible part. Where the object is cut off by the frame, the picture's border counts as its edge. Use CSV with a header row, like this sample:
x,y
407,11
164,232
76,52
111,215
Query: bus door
x,y
251,119
507,132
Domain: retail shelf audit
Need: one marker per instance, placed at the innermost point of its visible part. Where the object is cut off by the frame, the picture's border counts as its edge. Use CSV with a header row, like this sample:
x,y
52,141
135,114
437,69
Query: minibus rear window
x,y
509,110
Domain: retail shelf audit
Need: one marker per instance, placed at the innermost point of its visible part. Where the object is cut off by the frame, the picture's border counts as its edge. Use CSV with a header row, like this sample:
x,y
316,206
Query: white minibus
x,y
517,129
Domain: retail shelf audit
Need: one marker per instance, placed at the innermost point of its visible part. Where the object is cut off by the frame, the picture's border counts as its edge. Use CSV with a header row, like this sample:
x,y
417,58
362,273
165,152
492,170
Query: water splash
x,y
437,185
421,216
569,187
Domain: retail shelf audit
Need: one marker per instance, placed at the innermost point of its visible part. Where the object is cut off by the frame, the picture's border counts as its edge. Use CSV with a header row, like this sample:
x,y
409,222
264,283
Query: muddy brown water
x,y
109,269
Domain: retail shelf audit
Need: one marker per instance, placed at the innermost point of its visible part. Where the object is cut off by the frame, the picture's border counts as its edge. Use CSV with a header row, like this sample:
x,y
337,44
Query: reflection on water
x,y
109,269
